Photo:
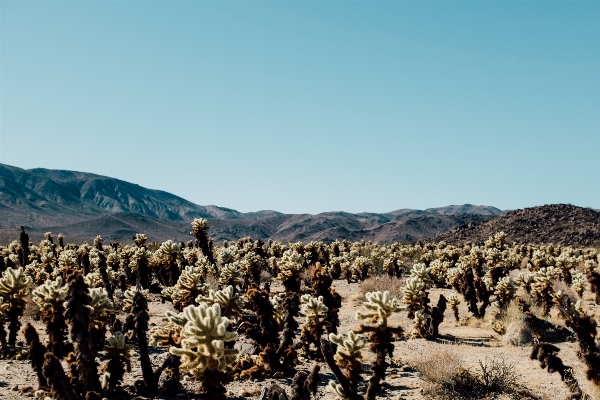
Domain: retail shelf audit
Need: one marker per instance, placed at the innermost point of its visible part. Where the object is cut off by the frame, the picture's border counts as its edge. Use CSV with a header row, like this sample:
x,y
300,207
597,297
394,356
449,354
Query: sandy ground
x,y
401,383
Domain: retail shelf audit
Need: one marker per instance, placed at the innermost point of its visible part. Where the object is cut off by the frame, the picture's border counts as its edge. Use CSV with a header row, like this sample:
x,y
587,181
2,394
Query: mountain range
x,y
82,205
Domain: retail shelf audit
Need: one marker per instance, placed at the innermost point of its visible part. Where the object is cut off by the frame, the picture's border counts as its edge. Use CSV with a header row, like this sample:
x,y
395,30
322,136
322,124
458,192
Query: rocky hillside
x,y
82,205
556,223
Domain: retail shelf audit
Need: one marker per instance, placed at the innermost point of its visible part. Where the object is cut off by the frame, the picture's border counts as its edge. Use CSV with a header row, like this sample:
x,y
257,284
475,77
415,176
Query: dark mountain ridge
x,y
563,224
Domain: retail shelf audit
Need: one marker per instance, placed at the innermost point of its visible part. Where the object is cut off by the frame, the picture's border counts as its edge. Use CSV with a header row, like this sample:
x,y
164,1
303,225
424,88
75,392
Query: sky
x,y
310,106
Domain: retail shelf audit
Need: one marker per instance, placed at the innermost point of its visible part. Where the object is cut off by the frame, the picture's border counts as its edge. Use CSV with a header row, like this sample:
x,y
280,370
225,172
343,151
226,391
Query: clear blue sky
x,y
310,106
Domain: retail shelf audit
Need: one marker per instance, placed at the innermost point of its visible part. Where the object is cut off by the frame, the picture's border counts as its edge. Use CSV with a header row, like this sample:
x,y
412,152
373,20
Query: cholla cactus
x,y
349,355
525,280
579,283
203,352
380,306
67,262
454,275
419,271
101,308
199,225
229,273
438,271
313,308
130,294
315,312
187,288
291,263
361,267
541,288
279,311
140,239
229,301
421,323
414,295
118,354
50,298
227,255
453,302
14,286
337,390
205,266
200,231
505,291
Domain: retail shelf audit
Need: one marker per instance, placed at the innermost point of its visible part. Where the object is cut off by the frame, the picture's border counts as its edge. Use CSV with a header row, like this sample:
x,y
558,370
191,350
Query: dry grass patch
x,y
382,283
446,377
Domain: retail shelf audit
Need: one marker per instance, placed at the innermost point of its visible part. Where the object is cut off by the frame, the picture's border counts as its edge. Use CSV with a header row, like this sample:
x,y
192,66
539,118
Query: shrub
x,y
447,378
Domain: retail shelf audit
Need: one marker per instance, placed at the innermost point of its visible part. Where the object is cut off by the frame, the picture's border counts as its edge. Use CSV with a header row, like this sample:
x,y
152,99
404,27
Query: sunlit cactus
x,y
313,307
525,280
229,273
505,291
454,302
361,267
188,287
140,239
205,266
454,275
419,271
227,255
101,308
14,286
315,311
579,283
203,352
541,288
50,298
199,225
279,311
380,306
349,356
229,301
290,264
421,323
200,231
414,295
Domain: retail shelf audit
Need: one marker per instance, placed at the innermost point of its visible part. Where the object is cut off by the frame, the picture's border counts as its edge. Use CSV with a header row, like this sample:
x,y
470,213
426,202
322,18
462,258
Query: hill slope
x,y
82,205
556,223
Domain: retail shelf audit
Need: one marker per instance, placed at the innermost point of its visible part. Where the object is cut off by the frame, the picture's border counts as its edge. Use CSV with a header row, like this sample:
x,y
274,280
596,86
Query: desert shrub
x,y
382,283
439,366
447,378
